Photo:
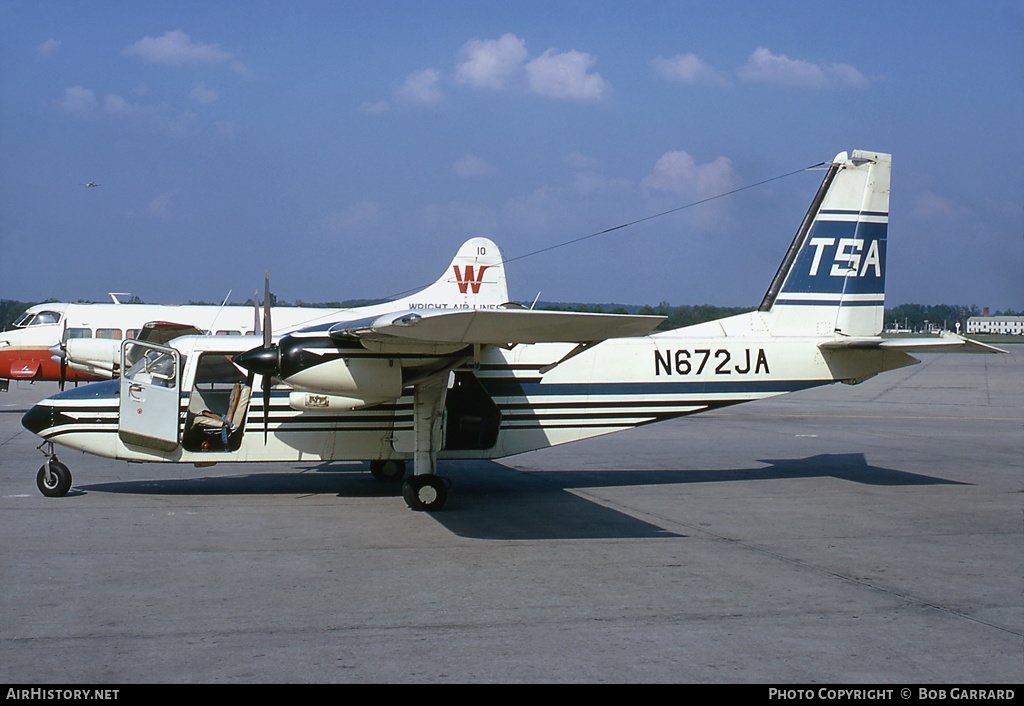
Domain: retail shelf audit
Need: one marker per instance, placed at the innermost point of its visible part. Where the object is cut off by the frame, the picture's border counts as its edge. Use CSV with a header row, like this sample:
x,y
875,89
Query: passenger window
x,y
111,333
79,333
229,333
132,333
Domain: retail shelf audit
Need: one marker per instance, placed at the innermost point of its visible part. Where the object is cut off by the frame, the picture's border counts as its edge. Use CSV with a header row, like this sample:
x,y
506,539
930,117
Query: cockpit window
x,y
152,366
41,318
46,317
216,371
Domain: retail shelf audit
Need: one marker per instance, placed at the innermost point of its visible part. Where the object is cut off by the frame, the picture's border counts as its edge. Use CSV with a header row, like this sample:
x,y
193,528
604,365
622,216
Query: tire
x,y
425,493
60,480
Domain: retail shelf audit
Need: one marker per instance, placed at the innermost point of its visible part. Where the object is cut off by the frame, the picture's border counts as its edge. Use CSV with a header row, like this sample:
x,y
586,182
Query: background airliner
x,y
25,350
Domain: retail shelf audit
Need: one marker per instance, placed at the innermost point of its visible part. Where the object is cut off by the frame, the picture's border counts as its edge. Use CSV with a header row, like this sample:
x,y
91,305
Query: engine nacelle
x,y
94,356
361,380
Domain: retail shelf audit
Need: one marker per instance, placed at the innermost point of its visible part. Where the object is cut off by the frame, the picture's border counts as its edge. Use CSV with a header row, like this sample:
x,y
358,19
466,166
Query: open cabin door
x,y
150,392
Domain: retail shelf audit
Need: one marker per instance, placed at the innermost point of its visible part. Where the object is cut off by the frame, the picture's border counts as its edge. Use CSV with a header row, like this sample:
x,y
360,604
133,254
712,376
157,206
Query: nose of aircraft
x,y
38,418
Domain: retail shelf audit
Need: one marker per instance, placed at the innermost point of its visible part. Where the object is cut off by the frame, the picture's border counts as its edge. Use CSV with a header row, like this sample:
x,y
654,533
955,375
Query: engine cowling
x,y
363,380
100,357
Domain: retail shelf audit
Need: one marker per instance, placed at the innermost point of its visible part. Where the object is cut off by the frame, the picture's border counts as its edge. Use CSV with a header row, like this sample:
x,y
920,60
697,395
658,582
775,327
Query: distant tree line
x,y
916,317
922,317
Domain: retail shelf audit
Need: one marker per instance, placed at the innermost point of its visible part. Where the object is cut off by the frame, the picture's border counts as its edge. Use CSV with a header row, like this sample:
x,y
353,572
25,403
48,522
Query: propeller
x,y
256,313
64,355
265,360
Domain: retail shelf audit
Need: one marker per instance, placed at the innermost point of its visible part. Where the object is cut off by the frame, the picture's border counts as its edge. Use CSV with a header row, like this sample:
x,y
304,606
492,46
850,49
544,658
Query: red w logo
x,y
469,277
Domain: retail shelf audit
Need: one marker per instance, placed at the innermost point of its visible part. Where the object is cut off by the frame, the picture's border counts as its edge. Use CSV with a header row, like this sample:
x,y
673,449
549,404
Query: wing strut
x,y
580,347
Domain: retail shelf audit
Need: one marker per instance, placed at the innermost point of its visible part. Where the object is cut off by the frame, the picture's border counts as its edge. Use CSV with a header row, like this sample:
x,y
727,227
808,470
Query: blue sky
x,y
350,147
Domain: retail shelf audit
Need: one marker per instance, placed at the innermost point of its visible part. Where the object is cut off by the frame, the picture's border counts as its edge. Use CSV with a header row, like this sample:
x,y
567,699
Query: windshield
x,y
41,318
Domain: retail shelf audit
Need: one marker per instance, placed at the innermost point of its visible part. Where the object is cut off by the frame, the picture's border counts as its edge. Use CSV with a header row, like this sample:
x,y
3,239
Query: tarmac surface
x,y
855,535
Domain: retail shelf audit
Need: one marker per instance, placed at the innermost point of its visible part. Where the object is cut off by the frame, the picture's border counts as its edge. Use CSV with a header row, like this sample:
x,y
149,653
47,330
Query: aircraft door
x,y
150,392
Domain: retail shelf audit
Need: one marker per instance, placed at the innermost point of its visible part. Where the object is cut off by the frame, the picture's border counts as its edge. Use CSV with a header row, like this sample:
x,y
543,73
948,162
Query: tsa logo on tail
x,y
847,257
470,278
840,257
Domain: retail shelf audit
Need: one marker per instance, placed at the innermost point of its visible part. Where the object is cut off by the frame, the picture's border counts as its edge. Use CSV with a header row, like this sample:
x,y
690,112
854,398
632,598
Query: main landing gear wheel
x,y
425,492
389,471
55,481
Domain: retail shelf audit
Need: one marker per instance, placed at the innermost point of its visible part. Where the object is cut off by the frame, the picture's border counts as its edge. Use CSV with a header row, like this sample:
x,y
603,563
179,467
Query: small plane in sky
x,y
458,374
90,184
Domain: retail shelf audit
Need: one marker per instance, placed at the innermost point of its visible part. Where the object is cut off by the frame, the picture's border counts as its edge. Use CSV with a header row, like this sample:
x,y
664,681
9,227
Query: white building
x,y
1013,325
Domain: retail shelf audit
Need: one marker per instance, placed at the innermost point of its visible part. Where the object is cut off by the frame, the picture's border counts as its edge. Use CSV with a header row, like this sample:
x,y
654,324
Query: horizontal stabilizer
x,y
499,327
946,342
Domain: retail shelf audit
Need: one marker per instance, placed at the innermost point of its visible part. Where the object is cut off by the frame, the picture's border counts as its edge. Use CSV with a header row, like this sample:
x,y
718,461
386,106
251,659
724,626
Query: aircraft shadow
x,y
491,501
491,504
851,467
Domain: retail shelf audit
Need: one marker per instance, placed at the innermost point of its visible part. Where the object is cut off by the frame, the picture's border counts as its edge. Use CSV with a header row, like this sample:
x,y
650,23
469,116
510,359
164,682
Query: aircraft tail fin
x,y
832,280
475,279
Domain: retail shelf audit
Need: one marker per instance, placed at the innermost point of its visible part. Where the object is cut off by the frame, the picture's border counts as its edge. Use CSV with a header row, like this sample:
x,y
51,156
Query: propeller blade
x,y
256,327
268,331
266,407
64,356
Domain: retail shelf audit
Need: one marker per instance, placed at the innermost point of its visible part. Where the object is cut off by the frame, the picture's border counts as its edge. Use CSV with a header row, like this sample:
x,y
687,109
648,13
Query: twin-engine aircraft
x,y
453,373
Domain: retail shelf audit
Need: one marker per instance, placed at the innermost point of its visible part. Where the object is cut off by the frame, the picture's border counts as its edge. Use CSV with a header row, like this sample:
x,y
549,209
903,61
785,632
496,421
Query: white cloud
x,y
421,88
578,160
590,182
176,49
932,206
565,76
358,214
688,68
778,69
469,165
491,63
678,173
47,48
79,101
225,129
115,105
203,95
158,205
532,212
501,64
374,107
181,125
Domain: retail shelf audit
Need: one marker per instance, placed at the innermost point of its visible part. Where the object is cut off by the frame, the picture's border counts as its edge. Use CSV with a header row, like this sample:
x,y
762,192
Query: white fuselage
x,y
617,385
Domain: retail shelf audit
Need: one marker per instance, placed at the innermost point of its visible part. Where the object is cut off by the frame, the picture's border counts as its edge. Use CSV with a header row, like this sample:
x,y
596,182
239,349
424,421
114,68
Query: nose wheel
x,y
53,479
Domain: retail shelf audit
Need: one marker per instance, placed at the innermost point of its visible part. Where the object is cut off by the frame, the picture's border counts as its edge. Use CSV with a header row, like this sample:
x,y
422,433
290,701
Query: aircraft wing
x,y
946,342
499,327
